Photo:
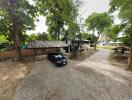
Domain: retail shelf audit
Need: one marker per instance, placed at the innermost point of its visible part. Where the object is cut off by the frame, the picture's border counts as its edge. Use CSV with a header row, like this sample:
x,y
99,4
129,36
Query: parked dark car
x,y
57,58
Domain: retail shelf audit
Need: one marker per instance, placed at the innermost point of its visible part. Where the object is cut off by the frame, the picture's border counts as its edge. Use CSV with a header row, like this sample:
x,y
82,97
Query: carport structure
x,y
34,49
40,47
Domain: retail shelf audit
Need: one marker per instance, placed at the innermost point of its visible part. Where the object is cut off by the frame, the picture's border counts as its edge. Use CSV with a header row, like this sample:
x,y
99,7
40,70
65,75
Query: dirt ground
x,y
94,78
11,74
121,61
81,55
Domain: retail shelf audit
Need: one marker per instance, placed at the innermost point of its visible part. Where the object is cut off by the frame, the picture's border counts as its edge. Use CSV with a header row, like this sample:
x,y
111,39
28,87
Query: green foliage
x,y
44,36
98,22
90,22
124,7
113,31
125,13
73,29
85,36
23,38
3,39
22,14
32,37
59,13
126,40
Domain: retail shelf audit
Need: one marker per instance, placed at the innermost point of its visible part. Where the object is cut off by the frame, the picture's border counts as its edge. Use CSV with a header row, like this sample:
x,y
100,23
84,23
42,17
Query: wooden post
x,y
130,58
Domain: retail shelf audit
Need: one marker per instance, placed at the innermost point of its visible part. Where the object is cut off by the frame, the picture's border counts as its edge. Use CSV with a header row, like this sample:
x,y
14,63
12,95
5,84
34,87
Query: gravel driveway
x,y
92,79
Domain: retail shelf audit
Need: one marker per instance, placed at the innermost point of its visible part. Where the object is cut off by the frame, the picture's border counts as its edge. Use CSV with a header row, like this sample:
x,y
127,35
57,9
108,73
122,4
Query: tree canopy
x,y
59,13
16,17
98,22
113,31
24,16
124,7
125,14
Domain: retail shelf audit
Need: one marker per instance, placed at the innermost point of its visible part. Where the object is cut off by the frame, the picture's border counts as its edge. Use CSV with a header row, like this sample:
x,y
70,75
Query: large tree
x,y
113,31
98,22
59,13
125,14
16,17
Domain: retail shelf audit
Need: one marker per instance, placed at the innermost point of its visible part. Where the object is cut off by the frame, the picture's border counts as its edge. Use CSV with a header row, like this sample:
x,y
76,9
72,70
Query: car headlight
x,y
58,61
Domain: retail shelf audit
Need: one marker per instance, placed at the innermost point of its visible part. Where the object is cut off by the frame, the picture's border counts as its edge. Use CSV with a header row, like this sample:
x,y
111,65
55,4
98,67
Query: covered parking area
x,y
34,49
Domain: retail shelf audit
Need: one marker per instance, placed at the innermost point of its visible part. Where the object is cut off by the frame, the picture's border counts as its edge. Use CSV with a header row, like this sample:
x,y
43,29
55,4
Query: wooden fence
x,y
26,52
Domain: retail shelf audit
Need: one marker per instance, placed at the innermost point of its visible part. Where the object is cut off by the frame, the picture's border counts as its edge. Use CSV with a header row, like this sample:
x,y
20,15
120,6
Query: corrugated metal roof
x,y
46,44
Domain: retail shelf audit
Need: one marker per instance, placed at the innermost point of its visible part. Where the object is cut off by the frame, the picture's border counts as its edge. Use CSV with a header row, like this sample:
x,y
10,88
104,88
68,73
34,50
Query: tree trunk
x,y
95,43
15,29
17,45
130,56
94,40
58,37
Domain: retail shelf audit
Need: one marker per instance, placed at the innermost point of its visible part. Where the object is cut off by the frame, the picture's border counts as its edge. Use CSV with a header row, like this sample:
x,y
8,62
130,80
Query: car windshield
x,y
58,57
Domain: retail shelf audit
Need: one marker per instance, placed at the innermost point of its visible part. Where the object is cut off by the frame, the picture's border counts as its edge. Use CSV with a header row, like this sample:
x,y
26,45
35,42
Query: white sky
x,y
86,9
90,6
40,26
